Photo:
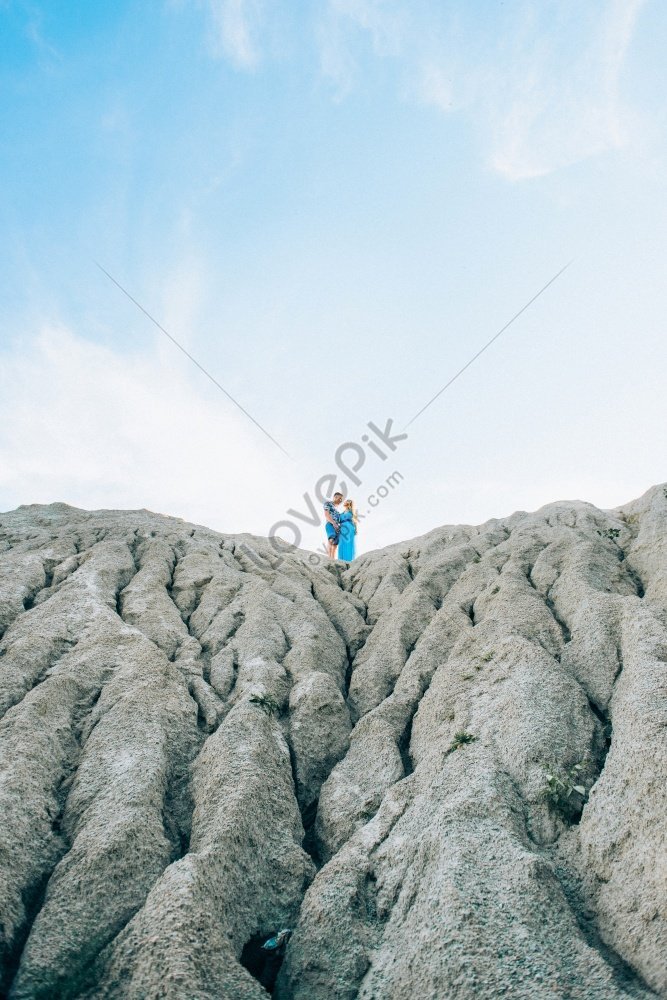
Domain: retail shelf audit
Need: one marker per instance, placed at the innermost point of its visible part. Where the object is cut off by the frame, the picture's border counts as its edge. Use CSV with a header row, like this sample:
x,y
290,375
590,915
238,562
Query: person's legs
x,y
333,546
332,540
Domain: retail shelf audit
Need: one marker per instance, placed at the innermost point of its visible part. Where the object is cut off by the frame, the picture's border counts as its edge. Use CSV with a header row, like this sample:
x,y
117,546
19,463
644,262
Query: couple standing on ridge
x,y
341,528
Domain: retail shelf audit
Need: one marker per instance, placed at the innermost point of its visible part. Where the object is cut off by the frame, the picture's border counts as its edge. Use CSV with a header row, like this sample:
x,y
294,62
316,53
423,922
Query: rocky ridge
x,y
443,766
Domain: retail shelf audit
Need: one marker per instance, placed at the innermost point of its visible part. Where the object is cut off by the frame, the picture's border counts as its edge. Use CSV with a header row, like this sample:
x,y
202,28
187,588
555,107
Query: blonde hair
x,y
349,505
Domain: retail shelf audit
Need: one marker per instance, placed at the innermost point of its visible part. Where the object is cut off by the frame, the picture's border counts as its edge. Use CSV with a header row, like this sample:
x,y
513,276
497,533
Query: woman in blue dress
x,y
348,532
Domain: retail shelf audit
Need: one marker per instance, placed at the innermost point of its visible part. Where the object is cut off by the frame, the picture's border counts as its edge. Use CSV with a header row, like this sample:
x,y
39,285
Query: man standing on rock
x,y
332,523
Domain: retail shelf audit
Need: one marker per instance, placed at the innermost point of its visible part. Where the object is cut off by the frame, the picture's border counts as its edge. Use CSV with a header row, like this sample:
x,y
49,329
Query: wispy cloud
x,y
49,57
84,424
541,85
234,31
384,20
435,86
343,23
561,102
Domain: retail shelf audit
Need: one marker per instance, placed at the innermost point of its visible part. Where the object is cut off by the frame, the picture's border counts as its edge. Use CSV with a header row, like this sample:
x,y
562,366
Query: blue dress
x,y
346,546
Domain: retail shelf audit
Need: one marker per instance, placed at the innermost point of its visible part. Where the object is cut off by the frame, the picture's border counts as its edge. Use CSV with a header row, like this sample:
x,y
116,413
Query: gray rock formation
x,y
444,767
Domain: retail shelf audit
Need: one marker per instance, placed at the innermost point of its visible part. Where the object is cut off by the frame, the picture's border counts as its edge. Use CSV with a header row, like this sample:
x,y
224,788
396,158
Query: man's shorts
x,y
332,534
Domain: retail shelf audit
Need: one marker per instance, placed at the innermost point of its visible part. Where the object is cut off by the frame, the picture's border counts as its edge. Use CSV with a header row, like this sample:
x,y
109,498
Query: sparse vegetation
x,y
265,702
564,791
486,657
610,533
461,739
495,590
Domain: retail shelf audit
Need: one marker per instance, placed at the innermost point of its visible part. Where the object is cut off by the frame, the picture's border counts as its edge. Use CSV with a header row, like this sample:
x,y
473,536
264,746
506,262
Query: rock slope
x,y
444,767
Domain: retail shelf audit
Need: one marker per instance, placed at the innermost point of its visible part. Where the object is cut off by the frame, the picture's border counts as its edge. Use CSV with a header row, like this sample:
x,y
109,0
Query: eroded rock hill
x,y
444,767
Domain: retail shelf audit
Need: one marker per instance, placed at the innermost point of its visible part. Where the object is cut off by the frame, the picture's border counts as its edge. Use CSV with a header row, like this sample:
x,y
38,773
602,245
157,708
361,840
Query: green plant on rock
x,y
564,791
487,657
610,533
460,740
265,702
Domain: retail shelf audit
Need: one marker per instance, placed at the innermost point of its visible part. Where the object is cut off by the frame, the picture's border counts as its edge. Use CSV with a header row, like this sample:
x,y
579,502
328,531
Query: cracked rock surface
x,y
443,766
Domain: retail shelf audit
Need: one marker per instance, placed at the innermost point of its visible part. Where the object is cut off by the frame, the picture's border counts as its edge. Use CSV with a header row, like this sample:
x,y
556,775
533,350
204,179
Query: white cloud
x,y
435,87
382,19
542,84
82,424
85,425
343,23
235,25
560,102
49,54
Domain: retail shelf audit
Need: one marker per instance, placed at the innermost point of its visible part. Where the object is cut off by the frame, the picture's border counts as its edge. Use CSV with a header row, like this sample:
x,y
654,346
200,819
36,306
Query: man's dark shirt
x,y
328,505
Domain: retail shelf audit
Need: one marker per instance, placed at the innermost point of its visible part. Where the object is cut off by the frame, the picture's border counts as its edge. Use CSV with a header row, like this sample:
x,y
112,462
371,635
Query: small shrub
x,y
460,740
488,656
610,533
564,791
495,590
265,702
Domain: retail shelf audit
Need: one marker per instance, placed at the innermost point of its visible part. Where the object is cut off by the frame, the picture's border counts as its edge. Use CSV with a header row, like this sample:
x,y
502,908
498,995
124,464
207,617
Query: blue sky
x,y
332,206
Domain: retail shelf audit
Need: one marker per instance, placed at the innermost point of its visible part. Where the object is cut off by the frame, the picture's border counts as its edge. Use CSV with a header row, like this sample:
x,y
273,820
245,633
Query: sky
x,y
332,206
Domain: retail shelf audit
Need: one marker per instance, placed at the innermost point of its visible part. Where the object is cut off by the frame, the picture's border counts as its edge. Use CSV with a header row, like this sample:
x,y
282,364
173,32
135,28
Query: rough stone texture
x,y
202,742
